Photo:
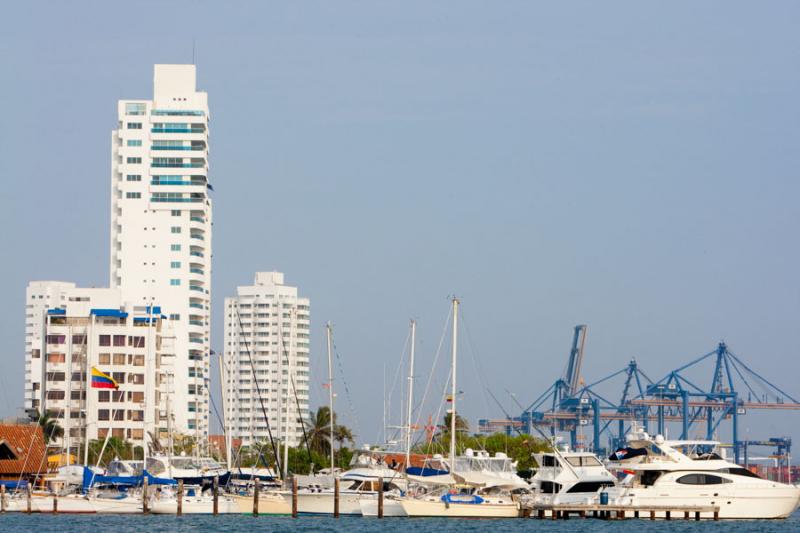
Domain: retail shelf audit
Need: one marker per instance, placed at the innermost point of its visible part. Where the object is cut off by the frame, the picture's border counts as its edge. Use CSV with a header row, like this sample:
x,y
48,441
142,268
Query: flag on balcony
x,y
101,380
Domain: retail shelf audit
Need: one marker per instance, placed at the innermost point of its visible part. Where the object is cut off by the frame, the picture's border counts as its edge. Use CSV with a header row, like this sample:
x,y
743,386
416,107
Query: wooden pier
x,y
621,512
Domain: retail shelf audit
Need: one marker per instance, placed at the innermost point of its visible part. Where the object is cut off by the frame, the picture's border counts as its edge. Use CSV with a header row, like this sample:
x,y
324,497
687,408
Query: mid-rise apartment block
x,y
69,332
267,354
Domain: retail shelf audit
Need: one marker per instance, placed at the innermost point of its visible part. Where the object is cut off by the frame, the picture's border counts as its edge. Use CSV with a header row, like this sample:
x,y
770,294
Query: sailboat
x,y
476,492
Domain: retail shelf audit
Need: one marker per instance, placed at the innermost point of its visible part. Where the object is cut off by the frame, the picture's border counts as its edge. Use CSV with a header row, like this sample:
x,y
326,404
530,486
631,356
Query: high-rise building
x,y
267,354
72,330
161,225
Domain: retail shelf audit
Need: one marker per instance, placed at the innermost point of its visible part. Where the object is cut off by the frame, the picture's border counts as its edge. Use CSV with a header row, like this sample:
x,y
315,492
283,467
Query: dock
x,y
621,512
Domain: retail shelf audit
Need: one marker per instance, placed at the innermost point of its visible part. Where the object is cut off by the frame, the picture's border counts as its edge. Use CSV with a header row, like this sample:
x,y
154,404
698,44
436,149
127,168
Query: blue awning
x,y
156,310
116,313
56,312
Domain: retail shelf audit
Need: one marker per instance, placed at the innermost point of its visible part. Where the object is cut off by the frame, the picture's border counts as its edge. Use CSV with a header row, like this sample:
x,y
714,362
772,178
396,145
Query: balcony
x,y
197,271
178,165
196,288
198,237
177,130
177,113
197,254
196,306
196,322
198,219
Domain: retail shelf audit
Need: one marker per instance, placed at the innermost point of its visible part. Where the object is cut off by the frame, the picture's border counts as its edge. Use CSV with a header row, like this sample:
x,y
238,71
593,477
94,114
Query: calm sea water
x,y
236,523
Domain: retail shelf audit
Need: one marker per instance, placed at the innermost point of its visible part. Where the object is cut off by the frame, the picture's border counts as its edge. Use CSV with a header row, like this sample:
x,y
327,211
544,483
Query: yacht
x,y
477,485
195,501
693,472
569,477
191,470
361,481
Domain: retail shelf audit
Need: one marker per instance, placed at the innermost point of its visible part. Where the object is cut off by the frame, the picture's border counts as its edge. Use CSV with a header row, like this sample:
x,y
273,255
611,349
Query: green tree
x,y
319,432
50,428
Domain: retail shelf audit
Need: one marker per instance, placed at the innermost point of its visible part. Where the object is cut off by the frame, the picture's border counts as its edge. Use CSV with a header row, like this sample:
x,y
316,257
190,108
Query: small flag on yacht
x,y
449,397
101,380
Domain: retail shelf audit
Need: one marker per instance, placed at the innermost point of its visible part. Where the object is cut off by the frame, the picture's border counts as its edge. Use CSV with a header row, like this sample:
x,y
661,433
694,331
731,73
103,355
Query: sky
x,y
632,166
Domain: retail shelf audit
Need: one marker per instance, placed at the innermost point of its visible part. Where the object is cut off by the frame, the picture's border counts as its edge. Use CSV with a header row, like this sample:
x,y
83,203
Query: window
x,y
135,109
105,340
174,282
136,379
134,160
174,316
119,340
739,472
548,487
79,339
549,460
175,229
102,414
56,339
136,397
104,396
583,461
702,479
176,212
56,358
590,486
133,195
134,125
134,177
104,358
117,395
175,264
119,358
136,342
175,247
134,142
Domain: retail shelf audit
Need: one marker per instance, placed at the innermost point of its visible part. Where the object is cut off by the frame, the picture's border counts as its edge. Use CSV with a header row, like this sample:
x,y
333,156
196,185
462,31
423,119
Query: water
x,y
46,523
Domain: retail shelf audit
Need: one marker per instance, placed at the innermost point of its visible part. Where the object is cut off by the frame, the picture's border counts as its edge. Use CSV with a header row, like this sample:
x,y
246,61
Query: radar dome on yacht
x,y
365,447
501,455
437,456
659,439
469,452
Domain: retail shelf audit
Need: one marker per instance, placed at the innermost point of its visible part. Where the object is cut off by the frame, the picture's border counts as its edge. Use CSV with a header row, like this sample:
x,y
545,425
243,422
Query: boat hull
x,y
414,507
322,502
226,505
270,504
391,507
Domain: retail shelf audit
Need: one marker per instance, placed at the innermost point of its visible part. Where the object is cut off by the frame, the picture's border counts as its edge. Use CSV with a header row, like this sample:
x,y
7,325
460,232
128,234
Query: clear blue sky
x,y
629,165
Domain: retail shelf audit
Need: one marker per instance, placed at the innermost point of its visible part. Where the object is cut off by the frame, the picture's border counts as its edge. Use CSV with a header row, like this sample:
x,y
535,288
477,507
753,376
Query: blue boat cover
x,y
90,478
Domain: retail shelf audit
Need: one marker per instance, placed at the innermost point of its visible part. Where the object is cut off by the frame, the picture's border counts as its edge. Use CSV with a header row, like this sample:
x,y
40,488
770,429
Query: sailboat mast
x,y
330,384
226,430
454,389
410,391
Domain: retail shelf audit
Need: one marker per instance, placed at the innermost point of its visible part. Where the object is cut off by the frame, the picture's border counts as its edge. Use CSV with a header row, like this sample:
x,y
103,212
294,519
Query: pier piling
x,y
180,497
145,510
336,497
29,498
55,502
2,498
294,497
216,495
255,498
380,497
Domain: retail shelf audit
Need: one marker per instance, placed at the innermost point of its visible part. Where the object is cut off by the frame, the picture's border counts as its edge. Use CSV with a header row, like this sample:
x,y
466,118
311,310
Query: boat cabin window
x,y
548,487
583,460
702,479
649,477
739,472
549,460
590,486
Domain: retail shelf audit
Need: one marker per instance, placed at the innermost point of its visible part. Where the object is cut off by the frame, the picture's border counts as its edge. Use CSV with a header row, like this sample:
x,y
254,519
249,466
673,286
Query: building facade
x,y
83,329
266,353
161,217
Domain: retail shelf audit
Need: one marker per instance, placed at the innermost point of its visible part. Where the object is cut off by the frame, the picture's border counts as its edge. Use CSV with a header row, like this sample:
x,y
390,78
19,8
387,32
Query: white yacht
x,y
569,477
357,483
191,470
195,501
691,472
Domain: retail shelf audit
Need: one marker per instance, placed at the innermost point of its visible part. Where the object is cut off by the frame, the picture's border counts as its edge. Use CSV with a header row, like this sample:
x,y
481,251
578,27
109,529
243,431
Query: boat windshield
x,y
583,460
490,464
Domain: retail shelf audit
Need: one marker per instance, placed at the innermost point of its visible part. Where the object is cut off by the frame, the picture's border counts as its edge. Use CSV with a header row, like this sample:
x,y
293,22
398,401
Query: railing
x,y
197,306
176,130
199,237
178,165
197,271
186,148
195,340
177,113
173,182
196,322
198,219
185,200
196,254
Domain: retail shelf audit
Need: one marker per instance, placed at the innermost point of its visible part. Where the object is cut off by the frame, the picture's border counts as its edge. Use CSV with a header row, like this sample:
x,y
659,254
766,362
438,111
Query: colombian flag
x,y
102,381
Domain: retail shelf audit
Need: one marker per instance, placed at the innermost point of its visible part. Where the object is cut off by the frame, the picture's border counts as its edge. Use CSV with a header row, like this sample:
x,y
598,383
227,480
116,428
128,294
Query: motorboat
x,y
195,501
360,481
695,473
191,470
566,476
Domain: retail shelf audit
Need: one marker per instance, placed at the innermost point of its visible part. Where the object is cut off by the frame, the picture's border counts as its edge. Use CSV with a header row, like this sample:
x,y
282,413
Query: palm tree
x,y
50,428
319,431
461,424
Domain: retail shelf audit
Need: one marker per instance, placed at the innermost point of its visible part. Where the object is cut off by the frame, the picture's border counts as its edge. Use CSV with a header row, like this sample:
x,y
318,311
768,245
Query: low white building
x,y
267,354
69,331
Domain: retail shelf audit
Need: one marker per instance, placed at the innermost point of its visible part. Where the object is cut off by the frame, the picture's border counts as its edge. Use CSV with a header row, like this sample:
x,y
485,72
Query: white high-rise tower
x,y
267,352
161,228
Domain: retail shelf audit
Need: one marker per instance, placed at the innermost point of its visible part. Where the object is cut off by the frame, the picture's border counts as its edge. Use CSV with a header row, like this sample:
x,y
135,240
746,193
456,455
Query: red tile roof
x,y
27,443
